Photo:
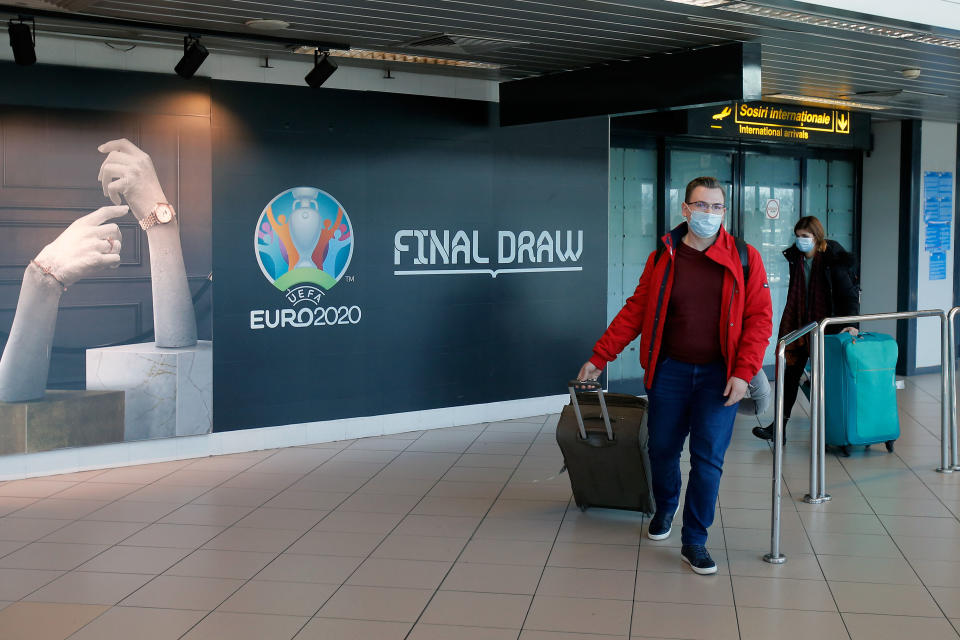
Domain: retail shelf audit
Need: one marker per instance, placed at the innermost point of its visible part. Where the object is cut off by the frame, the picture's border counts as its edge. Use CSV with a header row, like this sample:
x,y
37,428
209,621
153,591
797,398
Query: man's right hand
x,y
589,371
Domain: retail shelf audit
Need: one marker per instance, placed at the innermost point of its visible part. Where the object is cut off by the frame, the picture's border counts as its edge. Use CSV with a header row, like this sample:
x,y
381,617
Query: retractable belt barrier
x,y
818,494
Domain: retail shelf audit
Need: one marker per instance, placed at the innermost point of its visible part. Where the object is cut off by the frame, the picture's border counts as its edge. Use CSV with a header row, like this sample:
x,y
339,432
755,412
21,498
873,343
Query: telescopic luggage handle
x,y
589,385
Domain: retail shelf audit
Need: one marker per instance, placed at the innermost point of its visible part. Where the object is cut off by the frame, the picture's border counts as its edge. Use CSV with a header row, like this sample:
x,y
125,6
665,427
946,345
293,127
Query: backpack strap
x,y
744,258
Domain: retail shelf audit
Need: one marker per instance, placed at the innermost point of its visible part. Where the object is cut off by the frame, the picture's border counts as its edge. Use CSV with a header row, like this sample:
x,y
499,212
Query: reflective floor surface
x,y
470,533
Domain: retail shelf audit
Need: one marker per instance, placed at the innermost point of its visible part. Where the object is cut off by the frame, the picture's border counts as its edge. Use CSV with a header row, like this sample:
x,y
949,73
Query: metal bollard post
x,y
952,353
823,496
947,434
775,557
816,402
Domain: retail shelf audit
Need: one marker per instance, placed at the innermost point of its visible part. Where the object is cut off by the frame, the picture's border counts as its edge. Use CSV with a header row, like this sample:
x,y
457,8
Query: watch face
x,y
164,213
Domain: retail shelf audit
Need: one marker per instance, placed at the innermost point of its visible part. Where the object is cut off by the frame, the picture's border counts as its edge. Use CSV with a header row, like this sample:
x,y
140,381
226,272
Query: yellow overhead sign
x,y
783,121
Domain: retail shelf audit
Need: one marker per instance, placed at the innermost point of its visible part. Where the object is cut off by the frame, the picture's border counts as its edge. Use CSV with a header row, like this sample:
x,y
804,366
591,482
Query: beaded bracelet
x,y
47,271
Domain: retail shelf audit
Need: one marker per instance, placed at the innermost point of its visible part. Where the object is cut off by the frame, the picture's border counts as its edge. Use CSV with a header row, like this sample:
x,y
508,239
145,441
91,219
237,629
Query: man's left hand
x,y
736,389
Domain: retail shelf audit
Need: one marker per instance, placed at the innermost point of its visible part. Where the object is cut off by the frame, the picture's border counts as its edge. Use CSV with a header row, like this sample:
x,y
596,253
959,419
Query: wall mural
x,y
311,210
89,245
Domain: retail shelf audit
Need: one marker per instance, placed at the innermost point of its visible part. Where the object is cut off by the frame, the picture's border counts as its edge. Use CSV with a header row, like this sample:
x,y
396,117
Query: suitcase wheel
x,y
583,507
845,449
889,444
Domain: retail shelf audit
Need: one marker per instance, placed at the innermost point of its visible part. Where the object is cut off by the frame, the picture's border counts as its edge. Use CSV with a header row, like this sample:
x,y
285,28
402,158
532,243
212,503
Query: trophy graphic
x,y
305,225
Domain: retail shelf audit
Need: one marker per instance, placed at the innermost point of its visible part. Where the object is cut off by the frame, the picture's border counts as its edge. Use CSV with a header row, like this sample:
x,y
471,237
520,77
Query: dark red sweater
x,y
745,314
692,329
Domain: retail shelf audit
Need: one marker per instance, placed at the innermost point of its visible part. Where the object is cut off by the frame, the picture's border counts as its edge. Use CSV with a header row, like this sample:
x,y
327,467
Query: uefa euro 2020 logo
x,y
304,243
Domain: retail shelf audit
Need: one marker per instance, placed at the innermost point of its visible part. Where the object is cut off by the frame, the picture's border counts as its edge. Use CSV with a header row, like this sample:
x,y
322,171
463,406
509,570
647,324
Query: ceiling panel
x,y
573,34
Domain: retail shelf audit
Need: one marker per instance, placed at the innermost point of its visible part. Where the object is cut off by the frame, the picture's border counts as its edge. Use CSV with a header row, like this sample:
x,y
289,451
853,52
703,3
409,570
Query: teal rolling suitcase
x,y
860,394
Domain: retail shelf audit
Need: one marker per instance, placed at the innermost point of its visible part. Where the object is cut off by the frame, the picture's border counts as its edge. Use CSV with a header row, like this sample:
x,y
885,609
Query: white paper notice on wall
x,y
773,209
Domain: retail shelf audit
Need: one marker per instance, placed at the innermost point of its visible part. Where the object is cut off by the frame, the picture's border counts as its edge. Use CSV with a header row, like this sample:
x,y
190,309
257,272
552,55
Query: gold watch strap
x,y
152,220
149,221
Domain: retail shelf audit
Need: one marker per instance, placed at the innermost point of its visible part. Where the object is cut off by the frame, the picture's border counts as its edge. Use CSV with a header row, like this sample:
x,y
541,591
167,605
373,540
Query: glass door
x,y
771,206
687,165
632,237
829,194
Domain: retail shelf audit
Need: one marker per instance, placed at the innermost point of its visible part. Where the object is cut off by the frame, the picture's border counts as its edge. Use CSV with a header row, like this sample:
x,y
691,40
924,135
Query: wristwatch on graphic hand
x,y
163,213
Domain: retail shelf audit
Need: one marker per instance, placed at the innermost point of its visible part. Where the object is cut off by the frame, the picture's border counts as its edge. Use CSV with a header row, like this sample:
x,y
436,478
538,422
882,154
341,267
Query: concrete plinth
x,y
169,391
62,419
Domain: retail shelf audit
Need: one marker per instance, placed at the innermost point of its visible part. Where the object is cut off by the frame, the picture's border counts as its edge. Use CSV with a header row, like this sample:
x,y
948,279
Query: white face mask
x,y
705,225
805,244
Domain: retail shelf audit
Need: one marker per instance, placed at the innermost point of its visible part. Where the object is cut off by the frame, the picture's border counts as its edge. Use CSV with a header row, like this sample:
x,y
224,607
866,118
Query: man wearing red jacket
x,y
703,332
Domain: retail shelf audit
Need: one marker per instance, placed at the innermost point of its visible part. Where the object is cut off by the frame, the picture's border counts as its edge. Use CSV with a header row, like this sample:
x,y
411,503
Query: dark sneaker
x,y
660,526
766,433
697,556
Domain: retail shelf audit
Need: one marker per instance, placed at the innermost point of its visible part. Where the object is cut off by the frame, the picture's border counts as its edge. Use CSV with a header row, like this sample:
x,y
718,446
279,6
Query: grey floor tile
x,y
85,587
477,609
125,559
683,588
493,578
18,583
376,603
123,623
339,629
587,583
51,556
579,615
289,567
181,592
409,574
889,627
45,620
216,563
764,624
443,632
693,621
246,626
279,598
418,547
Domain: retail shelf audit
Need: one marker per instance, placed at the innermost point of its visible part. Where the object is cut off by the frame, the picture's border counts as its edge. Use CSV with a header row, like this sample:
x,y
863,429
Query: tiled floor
x,y
470,533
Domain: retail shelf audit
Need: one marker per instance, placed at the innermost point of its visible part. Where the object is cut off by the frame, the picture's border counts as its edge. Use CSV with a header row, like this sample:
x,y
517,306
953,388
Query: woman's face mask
x,y
805,244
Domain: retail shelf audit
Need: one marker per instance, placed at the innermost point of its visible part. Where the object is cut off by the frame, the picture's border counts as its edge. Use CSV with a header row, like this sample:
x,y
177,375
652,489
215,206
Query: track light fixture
x,y
22,41
323,68
194,54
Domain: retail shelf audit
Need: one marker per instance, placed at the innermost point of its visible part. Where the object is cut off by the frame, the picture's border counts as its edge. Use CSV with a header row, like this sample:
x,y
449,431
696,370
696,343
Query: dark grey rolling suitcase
x,y
603,438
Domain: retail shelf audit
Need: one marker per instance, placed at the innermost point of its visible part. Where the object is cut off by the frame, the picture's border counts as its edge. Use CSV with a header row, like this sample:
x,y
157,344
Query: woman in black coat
x,y
821,286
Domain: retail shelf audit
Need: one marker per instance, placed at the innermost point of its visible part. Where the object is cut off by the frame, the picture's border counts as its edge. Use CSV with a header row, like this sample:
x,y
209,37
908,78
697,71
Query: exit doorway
x,y
769,187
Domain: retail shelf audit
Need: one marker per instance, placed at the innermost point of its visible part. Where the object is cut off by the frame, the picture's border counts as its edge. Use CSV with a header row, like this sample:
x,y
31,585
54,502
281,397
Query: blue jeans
x,y
688,399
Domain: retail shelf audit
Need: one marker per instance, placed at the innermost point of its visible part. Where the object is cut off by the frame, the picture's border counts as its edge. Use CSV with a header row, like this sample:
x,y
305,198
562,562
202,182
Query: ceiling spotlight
x,y
194,54
266,24
323,68
22,42
910,74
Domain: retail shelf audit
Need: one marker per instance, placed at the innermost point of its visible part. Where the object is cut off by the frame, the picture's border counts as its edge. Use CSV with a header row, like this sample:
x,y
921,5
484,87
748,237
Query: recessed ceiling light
x,y
817,20
702,3
829,102
910,74
263,24
384,56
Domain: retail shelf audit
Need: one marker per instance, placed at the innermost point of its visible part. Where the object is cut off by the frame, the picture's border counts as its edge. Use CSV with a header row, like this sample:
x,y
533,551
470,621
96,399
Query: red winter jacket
x,y
746,321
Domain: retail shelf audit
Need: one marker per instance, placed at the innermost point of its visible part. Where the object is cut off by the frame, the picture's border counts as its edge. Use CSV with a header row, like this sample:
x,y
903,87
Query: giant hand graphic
x,y
88,245
128,172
